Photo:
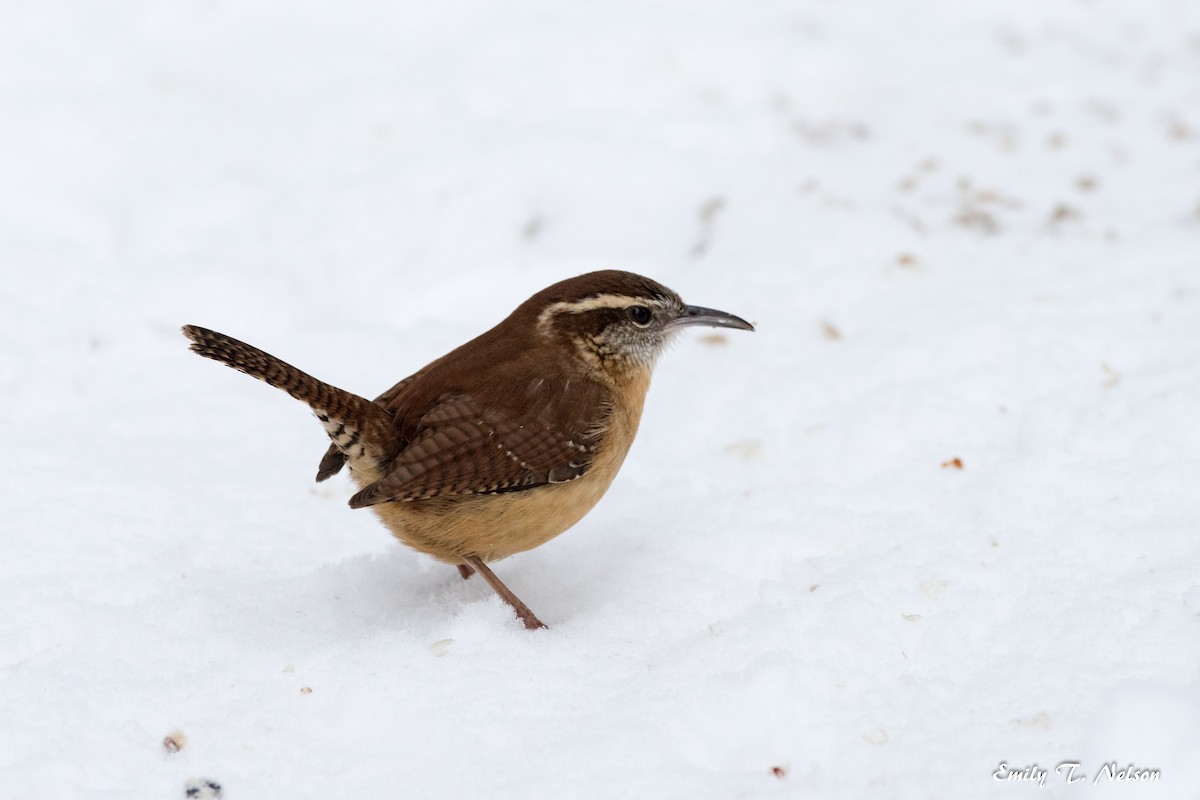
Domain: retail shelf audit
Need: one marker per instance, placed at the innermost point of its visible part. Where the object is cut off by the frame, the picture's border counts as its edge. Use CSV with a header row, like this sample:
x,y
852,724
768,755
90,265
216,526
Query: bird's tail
x,y
357,427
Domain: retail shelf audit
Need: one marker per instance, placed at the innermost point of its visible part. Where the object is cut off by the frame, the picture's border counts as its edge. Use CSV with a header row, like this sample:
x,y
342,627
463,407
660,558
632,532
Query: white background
x,y
965,230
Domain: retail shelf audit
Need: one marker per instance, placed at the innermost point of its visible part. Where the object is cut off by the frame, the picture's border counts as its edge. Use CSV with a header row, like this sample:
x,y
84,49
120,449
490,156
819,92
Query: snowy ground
x,y
966,230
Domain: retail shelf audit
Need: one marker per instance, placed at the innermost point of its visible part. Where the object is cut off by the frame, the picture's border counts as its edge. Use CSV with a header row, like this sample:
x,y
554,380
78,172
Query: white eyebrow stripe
x,y
593,303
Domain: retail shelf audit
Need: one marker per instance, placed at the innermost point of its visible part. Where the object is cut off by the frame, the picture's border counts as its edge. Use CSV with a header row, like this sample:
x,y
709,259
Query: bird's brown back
x,y
490,417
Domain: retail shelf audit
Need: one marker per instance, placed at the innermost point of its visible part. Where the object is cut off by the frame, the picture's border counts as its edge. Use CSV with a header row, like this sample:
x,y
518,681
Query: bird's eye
x,y
640,315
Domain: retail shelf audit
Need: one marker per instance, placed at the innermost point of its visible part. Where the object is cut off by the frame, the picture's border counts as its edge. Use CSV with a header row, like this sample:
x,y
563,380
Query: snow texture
x,y
937,514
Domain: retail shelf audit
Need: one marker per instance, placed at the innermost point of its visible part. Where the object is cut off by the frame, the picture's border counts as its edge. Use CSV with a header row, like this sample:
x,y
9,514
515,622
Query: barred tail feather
x,y
356,426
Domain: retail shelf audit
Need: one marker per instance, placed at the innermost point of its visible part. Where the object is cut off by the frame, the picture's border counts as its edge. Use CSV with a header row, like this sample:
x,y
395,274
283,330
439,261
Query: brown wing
x,y
464,448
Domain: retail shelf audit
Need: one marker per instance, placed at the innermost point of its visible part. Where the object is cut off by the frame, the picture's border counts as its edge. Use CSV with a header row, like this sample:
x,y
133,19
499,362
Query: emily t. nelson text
x,y
1072,772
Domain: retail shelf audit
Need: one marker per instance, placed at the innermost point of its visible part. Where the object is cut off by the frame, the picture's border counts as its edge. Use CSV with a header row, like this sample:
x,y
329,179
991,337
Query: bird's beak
x,y
696,315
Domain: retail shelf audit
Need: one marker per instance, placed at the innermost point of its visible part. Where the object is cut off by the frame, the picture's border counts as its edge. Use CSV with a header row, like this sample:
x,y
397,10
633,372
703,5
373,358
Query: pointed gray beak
x,y
696,315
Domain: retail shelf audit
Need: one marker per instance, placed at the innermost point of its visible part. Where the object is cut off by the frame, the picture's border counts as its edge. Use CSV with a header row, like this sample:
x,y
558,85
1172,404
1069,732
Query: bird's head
x,y
617,321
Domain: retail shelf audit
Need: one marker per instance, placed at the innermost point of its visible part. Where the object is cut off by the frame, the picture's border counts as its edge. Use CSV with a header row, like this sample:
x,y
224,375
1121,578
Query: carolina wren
x,y
504,443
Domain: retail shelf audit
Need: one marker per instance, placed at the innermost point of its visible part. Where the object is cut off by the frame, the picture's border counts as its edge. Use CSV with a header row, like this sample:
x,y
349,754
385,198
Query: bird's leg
x,y
523,612
465,571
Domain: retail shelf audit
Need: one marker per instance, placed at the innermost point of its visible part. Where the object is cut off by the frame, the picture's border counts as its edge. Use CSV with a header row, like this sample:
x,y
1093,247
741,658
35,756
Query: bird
x,y
510,439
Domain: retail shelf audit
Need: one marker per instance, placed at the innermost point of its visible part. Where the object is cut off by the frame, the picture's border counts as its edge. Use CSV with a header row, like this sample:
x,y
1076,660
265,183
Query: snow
x,y
965,230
